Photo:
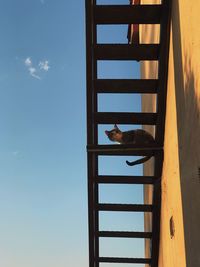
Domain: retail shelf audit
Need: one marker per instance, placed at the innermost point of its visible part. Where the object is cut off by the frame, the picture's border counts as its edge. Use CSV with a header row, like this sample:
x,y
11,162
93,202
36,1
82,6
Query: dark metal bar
x,y
125,118
139,86
126,52
124,14
124,234
125,179
95,165
125,207
90,210
125,260
96,199
120,150
163,70
89,70
156,209
90,140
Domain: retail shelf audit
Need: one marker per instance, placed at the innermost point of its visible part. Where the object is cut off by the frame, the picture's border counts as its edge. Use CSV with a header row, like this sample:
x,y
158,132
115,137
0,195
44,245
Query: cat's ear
x,y
116,127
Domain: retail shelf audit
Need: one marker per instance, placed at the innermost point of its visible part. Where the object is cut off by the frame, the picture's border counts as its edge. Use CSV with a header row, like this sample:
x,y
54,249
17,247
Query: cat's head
x,y
115,134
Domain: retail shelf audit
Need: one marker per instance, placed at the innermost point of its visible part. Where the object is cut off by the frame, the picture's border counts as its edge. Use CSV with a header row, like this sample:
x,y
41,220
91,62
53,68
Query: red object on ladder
x,y
133,29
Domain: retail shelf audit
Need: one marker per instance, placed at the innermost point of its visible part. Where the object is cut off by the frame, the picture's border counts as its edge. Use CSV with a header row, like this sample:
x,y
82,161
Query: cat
x,y
137,137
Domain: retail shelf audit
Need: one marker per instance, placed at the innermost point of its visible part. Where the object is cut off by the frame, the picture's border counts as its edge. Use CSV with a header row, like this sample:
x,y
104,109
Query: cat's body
x,y
137,137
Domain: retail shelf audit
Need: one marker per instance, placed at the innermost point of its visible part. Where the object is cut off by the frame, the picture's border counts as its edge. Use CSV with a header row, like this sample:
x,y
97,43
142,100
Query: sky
x,y
43,175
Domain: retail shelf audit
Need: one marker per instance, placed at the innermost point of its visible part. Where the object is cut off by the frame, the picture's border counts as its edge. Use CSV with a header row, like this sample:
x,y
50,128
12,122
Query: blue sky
x,y
43,182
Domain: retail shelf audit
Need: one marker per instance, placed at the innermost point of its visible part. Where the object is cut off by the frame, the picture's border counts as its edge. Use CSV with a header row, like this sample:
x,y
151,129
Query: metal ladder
x,y
125,14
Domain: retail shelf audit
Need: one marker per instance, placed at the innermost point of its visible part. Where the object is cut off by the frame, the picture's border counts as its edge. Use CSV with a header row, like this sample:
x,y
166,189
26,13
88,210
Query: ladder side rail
x,y
160,126
95,110
156,214
163,70
90,129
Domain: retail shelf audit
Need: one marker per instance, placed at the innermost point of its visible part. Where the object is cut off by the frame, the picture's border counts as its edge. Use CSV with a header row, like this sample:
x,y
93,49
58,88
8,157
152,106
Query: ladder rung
x,y
125,207
124,234
120,150
126,52
125,118
124,260
125,179
145,86
127,14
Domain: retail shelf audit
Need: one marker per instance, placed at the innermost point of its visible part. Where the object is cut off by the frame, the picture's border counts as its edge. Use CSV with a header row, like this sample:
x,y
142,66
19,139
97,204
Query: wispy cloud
x,y
33,71
42,2
28,62
44,65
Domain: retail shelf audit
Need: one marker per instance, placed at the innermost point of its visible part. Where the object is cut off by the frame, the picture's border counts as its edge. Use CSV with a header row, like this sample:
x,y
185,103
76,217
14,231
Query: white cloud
x,y
44,65
33,71
28,61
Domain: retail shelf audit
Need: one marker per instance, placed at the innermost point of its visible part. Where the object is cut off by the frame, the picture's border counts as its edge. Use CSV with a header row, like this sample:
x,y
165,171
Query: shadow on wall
x,y
188,104
190,124
188,120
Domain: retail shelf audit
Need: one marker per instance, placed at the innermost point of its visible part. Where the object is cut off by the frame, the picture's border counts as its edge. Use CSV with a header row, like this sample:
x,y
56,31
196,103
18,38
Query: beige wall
x,y
186,50
172,249
180,179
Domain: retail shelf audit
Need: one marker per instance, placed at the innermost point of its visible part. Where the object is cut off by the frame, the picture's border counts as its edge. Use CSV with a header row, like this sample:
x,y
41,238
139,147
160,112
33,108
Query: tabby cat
x,y
137,137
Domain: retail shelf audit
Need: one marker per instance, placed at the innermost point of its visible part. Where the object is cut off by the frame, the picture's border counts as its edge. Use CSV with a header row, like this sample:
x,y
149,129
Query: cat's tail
x,y
139,161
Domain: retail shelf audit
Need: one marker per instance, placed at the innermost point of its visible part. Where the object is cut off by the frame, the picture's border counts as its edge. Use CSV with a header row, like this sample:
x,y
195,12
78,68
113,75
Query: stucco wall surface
x,y
186,51
180,179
